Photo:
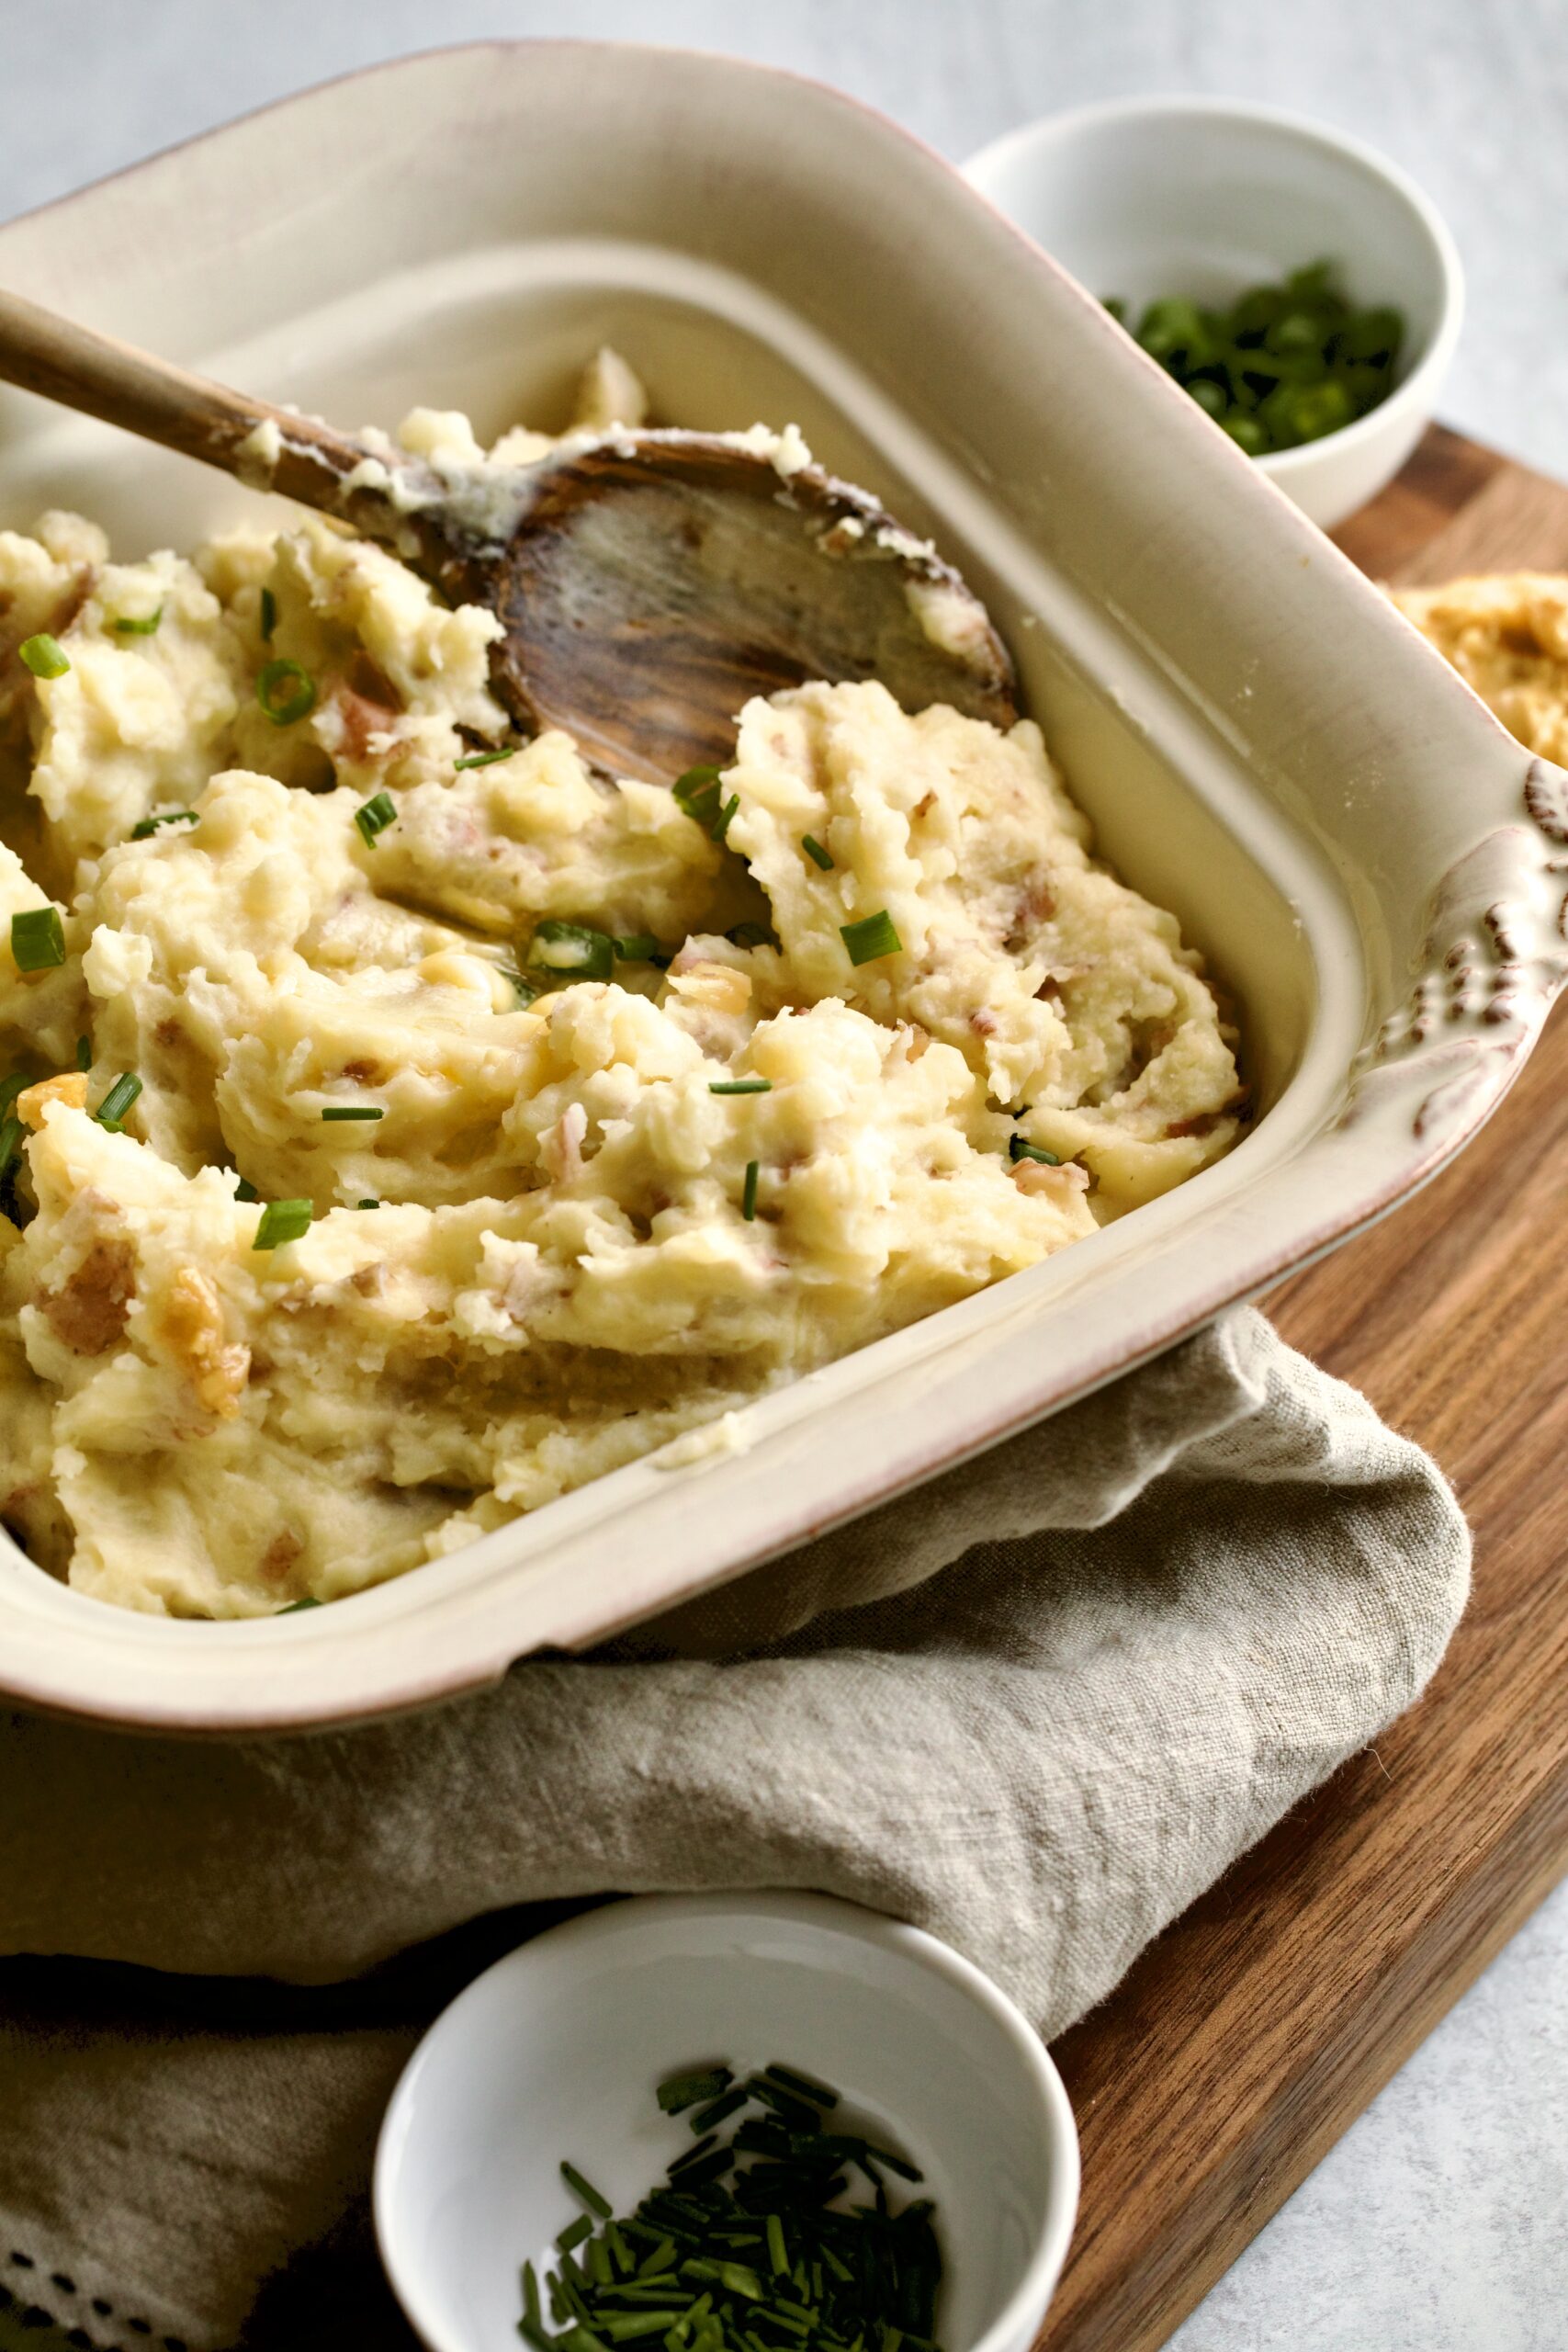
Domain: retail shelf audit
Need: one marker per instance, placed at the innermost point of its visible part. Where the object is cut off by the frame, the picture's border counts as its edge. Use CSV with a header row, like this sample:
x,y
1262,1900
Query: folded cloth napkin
x,y
1035,1707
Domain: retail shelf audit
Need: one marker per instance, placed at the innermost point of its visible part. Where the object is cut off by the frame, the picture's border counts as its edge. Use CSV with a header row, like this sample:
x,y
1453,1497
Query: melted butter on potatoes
x,y
557,1220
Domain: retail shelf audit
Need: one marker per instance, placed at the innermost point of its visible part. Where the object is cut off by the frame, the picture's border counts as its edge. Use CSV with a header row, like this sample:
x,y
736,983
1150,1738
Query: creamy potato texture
x,y
558,1221
1506,634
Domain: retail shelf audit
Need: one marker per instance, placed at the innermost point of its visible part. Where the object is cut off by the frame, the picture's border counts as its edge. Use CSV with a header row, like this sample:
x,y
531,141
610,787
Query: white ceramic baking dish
x,y
1370,864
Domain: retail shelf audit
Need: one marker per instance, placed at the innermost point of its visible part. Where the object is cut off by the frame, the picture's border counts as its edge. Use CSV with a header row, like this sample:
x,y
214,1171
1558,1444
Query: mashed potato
x,y
1506,634
561,1194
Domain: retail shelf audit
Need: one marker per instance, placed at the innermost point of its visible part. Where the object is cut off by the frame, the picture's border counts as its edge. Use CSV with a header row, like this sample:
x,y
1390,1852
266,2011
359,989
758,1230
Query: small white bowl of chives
x,y
1194,201
534,2103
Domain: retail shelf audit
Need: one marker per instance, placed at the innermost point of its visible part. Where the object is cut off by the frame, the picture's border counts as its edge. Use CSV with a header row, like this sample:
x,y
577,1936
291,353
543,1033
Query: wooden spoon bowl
x,y
649,583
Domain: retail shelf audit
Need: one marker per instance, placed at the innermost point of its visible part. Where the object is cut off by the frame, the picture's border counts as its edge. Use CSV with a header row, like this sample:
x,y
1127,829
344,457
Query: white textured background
x,y
1441,2222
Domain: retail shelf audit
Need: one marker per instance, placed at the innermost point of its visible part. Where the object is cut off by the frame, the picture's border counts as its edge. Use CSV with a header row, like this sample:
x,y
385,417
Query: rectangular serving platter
x,y
1368,861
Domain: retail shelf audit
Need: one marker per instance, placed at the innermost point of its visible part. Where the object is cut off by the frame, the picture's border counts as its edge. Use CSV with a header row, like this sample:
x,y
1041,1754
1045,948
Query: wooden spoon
x,y
649,582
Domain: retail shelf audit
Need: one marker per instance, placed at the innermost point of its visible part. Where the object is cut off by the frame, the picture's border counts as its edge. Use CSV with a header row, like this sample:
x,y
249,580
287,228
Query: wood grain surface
x,y
1246,2039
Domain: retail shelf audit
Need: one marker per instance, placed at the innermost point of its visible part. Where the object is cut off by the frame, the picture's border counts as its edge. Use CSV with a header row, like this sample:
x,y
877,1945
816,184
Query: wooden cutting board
x,y
1260,2025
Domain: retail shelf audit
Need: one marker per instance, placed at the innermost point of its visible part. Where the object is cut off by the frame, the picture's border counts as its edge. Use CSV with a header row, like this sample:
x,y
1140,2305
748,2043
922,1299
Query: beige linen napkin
x,y
1035,1707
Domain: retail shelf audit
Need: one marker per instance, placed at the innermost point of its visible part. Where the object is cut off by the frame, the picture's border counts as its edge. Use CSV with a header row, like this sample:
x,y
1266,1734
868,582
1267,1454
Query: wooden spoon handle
x,y
266,447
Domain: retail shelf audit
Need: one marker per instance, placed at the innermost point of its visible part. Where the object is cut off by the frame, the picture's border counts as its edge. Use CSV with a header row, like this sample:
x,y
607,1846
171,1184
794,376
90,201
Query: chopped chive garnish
x,y
294,1607
84,1053
637,947
246,1191
586,2190
684,2090
721,822
126,626
374,815
741,1086
11,1134
749,1211
268,615
282,1221
146,826
367,1204
487,759
750,934
1018,1150
697,796
9,1090
285,691
803,2087
111,1111
38,939
44,656
764,2260
815,853
574,947
872,937
352,1110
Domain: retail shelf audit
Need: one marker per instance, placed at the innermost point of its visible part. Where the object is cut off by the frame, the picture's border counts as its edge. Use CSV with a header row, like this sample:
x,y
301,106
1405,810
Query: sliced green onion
x,y
38,939
246,1191
803,2087
699,795
574,947
1018,1150
282,1221
690,2156
268,615
586,2190
11,1136
734,2276
84,1053
776,2254
9,1090
574,2234
637,947
111,1111
732,2101
749,1211
531,2293
285,691
815,853
294,1607
126,626
374,815
741,1086
44,656
871,937
145,826
487,759
679,2091
353,1111
367,1204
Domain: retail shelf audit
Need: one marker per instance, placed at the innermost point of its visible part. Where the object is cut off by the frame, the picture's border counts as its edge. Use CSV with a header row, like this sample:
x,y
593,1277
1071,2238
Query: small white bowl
x,y
1203,198
556,2051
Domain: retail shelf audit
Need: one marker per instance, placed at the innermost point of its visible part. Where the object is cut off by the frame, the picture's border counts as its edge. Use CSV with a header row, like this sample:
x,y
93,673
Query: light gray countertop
x,y
1439,2223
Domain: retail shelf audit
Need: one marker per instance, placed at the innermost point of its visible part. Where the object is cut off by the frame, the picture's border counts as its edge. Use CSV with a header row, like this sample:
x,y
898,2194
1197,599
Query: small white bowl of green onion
x,y
728,2123
1297,286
